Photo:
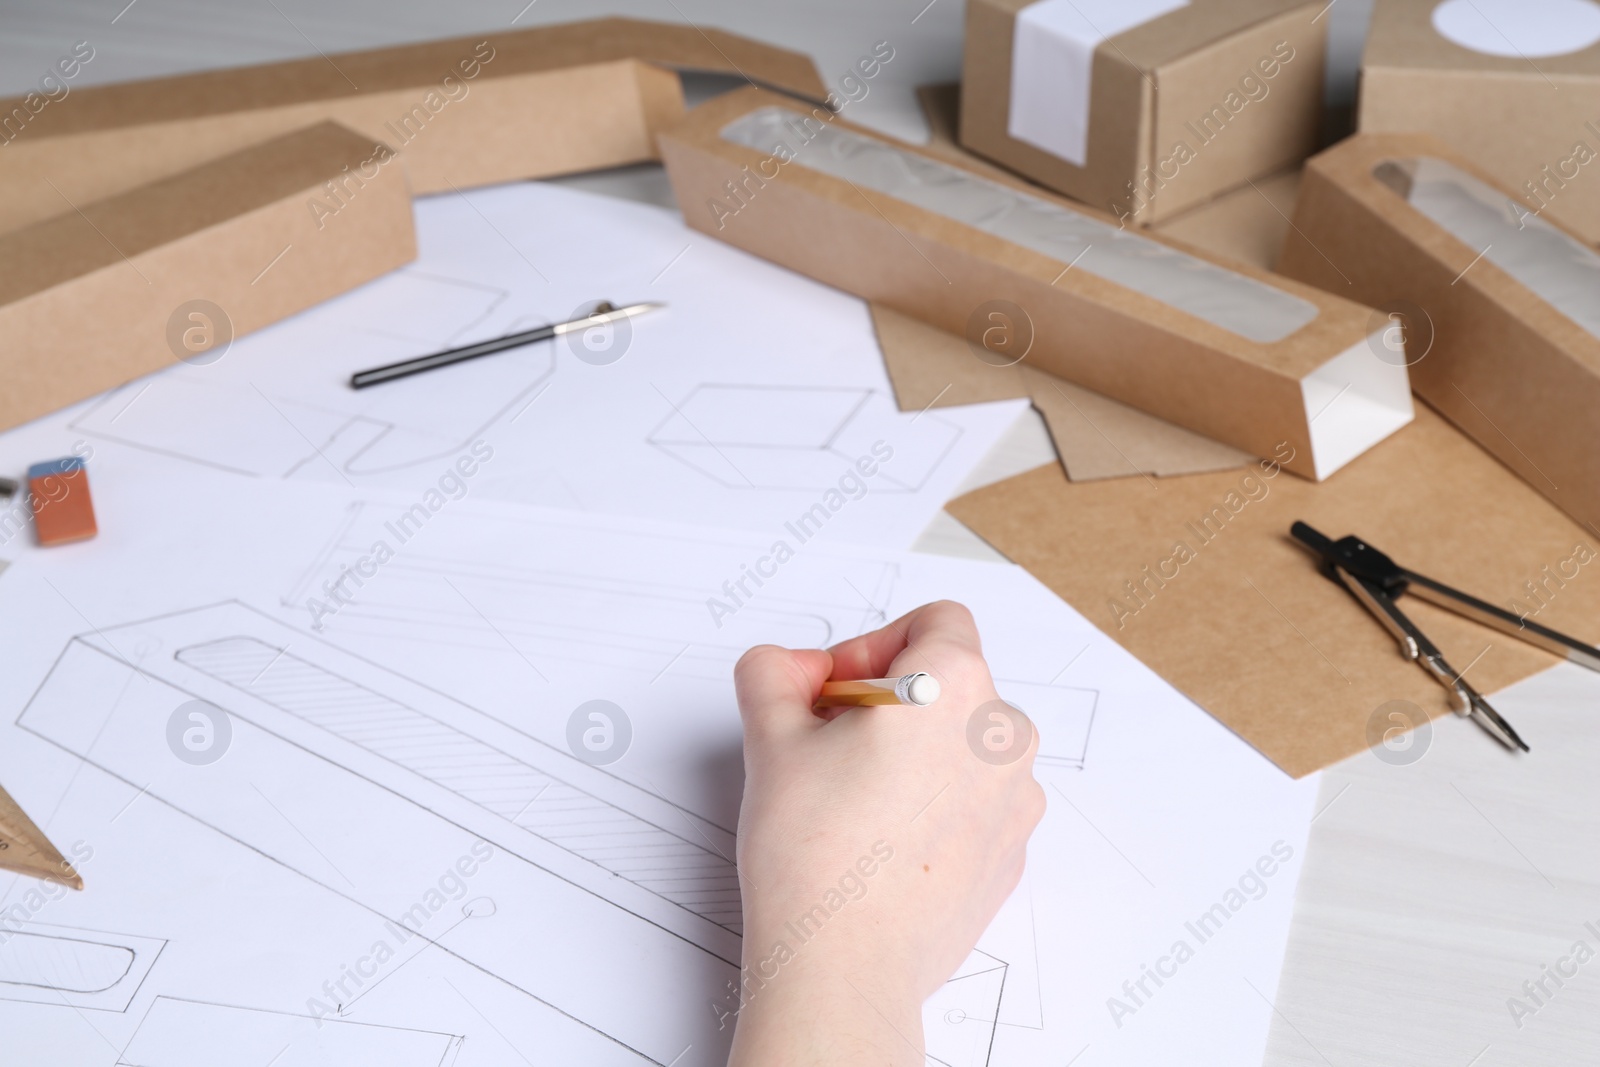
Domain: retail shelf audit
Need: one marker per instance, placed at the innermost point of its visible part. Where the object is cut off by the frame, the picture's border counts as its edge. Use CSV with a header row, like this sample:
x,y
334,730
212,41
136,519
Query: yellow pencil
x,y
917,690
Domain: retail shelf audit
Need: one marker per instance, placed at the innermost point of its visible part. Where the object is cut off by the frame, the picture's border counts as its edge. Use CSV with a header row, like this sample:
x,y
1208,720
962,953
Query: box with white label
x,y
1513,85
1142,108
1273,367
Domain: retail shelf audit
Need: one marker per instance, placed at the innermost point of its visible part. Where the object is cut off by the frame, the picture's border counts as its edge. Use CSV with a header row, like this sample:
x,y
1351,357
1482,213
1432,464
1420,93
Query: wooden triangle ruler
x,y
25,849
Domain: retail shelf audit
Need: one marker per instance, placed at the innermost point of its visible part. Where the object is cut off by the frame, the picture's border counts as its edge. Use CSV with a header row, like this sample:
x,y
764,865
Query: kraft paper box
x,y
1197,576
1143,108
1500,314
472,111
1514,89
1246,225
1094,436
1231,352
177,268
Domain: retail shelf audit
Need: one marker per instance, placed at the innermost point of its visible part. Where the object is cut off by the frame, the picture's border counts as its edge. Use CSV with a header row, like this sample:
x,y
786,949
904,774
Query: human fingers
x,y
944,623
777,687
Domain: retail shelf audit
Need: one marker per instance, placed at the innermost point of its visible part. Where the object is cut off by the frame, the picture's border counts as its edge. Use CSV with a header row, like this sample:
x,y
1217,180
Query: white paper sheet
x,y
743,404
426,723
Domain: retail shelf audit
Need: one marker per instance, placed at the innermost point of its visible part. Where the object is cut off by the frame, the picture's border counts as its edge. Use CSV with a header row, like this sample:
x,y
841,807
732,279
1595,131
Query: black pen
x,y
602,314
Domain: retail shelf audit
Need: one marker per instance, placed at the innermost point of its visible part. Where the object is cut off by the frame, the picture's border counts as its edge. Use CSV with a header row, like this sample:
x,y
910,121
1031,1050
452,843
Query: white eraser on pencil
x,y
920,689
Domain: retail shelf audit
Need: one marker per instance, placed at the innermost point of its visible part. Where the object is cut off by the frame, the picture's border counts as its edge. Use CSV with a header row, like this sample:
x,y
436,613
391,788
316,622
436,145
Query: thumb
x,y
777,688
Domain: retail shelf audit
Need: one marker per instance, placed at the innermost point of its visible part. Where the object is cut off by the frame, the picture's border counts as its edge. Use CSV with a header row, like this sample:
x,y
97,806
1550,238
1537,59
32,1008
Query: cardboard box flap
x,y
494,55
1198,578
87,237
1231,352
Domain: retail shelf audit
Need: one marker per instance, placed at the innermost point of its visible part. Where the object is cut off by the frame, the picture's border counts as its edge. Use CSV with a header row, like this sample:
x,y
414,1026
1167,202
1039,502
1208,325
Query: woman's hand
x,y
875,844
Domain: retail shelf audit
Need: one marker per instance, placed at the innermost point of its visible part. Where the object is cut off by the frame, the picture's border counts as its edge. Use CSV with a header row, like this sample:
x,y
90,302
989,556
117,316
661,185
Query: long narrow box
x,y
1143,108
1259,362
1500,313
1513,86
465,112
174,270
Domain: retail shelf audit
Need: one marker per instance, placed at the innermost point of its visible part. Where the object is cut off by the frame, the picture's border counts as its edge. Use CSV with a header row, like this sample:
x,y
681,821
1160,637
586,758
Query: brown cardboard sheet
x,y
1181,108
470,111
1306,378
127,285
1505,365
1095,436
1247,225
1247,627
1531,122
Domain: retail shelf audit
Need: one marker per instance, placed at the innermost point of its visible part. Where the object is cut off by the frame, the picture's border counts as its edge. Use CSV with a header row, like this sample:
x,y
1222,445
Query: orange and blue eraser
x,y
62,509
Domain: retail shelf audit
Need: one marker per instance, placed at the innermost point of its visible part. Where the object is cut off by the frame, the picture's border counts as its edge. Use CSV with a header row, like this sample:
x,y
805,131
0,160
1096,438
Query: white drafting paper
x,y
743,404
407,767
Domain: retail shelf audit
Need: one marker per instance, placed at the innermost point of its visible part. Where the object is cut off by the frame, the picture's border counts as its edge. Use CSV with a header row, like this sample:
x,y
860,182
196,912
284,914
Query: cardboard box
x,y
1518,93
1246,225
465,112
1241,621
1143,108
175,269
1501,314
1234,353
1094,436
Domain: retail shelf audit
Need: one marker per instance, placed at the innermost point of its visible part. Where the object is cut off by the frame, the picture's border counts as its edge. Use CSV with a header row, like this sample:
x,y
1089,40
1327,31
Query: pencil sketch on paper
x,y
534,792
801,438
189,413
591,876
560,605
190,1033
48,964
1064,716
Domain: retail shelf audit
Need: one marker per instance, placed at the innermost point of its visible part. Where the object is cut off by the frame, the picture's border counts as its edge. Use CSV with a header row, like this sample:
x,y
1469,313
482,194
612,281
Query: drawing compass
x,y
1378,582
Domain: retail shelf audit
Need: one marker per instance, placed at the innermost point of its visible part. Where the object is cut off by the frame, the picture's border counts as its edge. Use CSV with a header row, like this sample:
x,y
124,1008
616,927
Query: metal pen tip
x,y
605,312
1495,725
